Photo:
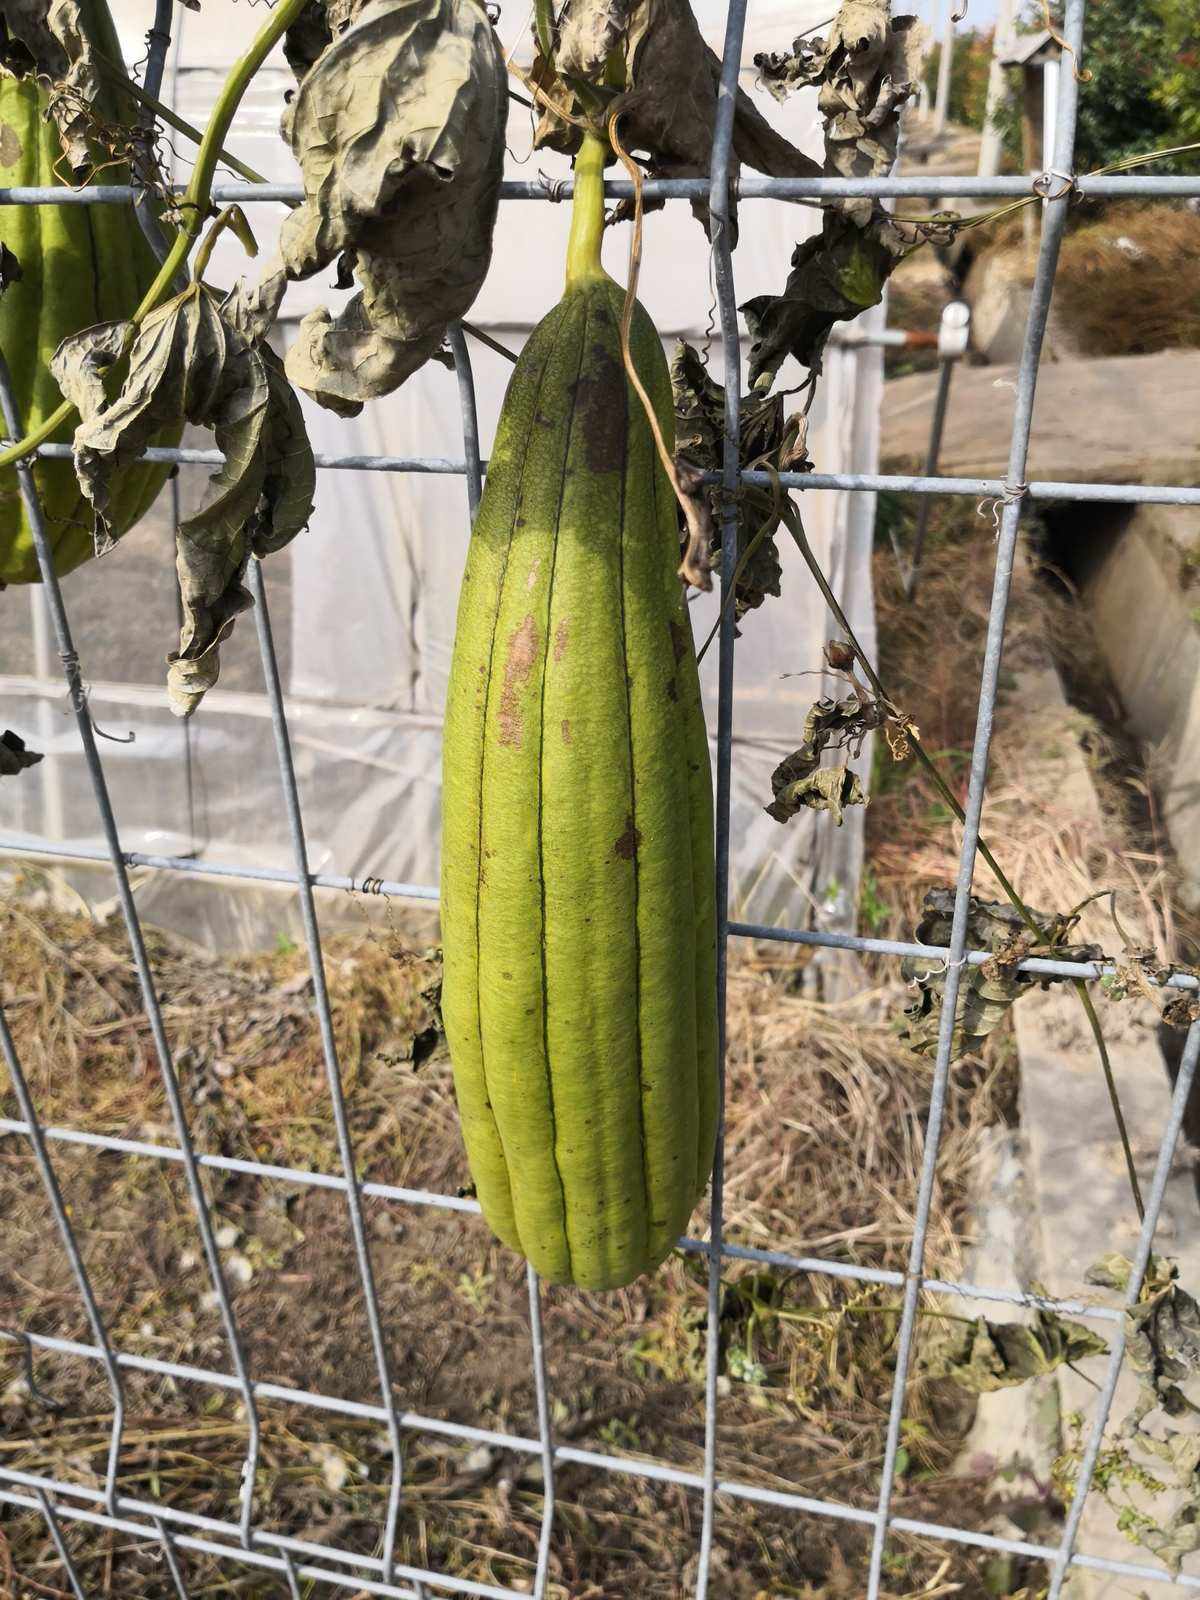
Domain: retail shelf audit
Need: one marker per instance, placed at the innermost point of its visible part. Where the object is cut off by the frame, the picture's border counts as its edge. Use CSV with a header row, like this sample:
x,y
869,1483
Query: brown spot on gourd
x,y
566,730
560,639
518,664
627,845
11,148
599,399
533,574
678,641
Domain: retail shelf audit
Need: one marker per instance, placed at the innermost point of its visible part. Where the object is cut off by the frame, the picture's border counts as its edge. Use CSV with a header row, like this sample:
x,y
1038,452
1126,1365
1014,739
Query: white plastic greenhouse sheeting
x,y
364,602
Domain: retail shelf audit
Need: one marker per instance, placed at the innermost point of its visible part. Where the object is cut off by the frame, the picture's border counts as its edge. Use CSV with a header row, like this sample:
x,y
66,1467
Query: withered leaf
x,y
765,439
307,37
835,276
48,38
984,1356
14,755
10,267
1163,1349
669,108
191,361
985,992
800,782
1182,1009
867,68
829,789
398,127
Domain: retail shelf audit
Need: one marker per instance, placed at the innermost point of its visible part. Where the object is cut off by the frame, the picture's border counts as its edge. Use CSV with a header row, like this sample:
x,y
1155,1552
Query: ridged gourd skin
x,y
80,265
578,904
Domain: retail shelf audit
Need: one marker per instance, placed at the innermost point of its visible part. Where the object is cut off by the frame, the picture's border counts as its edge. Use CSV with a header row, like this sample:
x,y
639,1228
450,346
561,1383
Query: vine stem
x,y
1089,1008
194,206
796,529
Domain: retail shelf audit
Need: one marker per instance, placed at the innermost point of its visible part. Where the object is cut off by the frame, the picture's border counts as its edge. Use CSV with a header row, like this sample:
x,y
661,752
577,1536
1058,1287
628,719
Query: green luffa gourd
x,y
578,903
80,264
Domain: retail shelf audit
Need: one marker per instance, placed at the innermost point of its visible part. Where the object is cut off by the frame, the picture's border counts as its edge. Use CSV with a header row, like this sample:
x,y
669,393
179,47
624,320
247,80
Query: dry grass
x,y
1126,281
1056,847
824,1149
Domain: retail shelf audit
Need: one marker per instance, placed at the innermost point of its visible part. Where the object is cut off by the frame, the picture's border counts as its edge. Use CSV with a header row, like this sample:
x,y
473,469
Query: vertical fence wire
x,y
1141,1262
141,961
720,204
61,1546
1053,225
74,1256
171,1557
333,1072
145,173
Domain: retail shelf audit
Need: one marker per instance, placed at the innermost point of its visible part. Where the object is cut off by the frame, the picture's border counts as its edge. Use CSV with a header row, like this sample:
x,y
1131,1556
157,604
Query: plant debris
x,y
10,267
47,39
765,440
800,782
669,105
985,992
195,358
398,126
14,756
866,69
1163,1349
984,1356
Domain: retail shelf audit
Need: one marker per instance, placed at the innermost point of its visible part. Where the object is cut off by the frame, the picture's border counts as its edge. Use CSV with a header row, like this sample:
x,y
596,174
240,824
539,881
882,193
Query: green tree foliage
x,y
968,76
1144,92
1178,89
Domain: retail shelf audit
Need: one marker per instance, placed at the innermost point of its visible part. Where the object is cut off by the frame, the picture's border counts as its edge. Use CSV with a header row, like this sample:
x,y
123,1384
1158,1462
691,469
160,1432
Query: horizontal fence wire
x,y
1094,187
1169,494
1035,966
244,1541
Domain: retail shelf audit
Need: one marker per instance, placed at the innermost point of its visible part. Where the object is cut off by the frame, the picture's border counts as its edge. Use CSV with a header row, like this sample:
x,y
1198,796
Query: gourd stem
x,y
587,214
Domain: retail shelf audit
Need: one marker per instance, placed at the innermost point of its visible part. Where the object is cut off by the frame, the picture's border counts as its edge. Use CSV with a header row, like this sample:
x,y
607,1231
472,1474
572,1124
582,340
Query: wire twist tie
x,y
1041,184
553,188
1010,495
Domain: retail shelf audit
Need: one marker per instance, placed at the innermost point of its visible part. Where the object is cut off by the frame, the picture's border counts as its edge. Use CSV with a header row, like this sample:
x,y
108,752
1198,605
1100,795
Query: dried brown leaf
x,y
800,782
191,361
14,756
669,107
49,38
398,127
866,68
985,992
765,439
983,1357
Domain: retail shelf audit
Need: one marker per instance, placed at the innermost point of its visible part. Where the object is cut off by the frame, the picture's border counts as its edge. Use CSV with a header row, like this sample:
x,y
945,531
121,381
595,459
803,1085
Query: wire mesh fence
x,y
244,1541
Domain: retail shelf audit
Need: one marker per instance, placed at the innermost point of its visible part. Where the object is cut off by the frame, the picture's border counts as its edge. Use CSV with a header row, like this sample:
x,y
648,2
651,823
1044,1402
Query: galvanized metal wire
x,y
241,1539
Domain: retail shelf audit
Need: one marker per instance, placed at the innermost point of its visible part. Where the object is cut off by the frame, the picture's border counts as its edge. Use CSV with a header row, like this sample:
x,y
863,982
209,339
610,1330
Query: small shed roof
x,y
1033,49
